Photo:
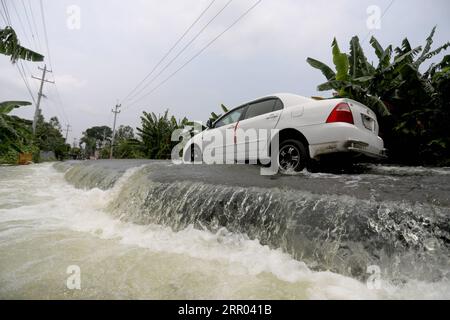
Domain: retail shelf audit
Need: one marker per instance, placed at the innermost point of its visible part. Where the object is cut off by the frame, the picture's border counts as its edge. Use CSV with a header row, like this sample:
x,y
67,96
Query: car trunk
x,y
363,117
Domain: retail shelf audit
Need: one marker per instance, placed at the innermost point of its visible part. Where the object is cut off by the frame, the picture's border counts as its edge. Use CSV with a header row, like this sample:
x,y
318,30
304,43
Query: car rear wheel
x,y
292,156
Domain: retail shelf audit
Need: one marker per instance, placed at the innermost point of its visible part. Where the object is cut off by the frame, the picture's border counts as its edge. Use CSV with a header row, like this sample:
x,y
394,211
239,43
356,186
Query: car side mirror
x,y
209,124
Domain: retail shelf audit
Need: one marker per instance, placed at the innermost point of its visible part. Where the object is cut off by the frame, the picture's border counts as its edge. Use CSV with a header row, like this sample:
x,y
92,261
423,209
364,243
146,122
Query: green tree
x,y
352,75
49,137
15,133
156,134
75,153
96,138
124,133
126,145
128,149
412,106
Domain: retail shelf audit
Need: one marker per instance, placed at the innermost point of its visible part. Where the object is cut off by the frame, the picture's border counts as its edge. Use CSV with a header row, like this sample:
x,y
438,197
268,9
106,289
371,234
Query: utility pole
x,y
104,138
67,130
116,112
38,104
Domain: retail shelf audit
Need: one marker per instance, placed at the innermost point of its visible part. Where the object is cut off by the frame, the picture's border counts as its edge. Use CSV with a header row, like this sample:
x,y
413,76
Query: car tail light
x,y
341,113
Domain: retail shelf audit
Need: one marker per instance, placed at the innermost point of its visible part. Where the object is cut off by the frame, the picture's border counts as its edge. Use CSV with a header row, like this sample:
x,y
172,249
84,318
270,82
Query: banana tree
x,y
156,133
352,77
214,116
412,106
385,84
14,131
10,46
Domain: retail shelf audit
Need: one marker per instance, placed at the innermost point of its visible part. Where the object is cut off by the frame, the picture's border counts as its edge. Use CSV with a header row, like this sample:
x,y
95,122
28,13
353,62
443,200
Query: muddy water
x,y
151,230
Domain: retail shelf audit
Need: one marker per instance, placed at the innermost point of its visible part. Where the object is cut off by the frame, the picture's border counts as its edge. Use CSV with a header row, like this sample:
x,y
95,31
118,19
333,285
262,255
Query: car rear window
x,y
278,105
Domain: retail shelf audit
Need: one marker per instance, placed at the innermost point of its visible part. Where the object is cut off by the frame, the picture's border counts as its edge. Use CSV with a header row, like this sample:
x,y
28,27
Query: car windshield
x,y
230,118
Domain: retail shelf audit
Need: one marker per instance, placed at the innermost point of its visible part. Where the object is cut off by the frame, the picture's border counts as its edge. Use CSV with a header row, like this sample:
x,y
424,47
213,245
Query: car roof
x,y
290,100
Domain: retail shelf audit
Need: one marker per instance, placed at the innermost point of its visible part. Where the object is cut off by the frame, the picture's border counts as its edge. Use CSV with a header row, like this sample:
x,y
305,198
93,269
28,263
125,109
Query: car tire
x,y
292,156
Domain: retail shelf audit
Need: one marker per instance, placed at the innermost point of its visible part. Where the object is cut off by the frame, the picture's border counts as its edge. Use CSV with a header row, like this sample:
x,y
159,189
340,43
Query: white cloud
x,y
68,81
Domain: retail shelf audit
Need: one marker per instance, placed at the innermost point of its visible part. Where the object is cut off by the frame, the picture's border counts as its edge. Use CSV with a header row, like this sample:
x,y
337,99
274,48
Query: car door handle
x,y
272,116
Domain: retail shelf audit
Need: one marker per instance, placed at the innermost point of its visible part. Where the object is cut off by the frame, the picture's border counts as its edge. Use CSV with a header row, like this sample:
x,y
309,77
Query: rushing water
x,y
146,231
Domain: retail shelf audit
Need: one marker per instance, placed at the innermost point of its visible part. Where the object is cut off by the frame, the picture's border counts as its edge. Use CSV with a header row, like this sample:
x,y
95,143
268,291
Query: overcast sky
x,y
119,43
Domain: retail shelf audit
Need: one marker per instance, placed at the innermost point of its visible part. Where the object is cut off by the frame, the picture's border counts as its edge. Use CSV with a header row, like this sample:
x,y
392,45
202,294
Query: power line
x,y
198,53
6,16
35,25
26,83
382,16
171,49
21,66
22,72
50,60
61,103
182,50
56,109
29,24
5,10
22,26
45,34
28,72
21,23
3,17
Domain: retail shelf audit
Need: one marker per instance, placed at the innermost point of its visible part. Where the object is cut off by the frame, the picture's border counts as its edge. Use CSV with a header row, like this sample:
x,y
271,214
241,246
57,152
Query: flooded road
x,y
152,230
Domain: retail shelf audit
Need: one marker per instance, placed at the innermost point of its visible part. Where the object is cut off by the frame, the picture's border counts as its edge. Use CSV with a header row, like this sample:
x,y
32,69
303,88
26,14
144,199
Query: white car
x,y
306,129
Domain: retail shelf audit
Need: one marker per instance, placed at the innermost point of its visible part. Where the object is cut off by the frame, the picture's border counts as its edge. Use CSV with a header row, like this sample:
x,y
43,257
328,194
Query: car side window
x,y
230,118
263,107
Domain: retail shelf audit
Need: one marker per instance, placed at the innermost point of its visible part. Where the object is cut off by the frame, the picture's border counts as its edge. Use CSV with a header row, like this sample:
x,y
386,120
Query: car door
x,y
219,141
254,129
